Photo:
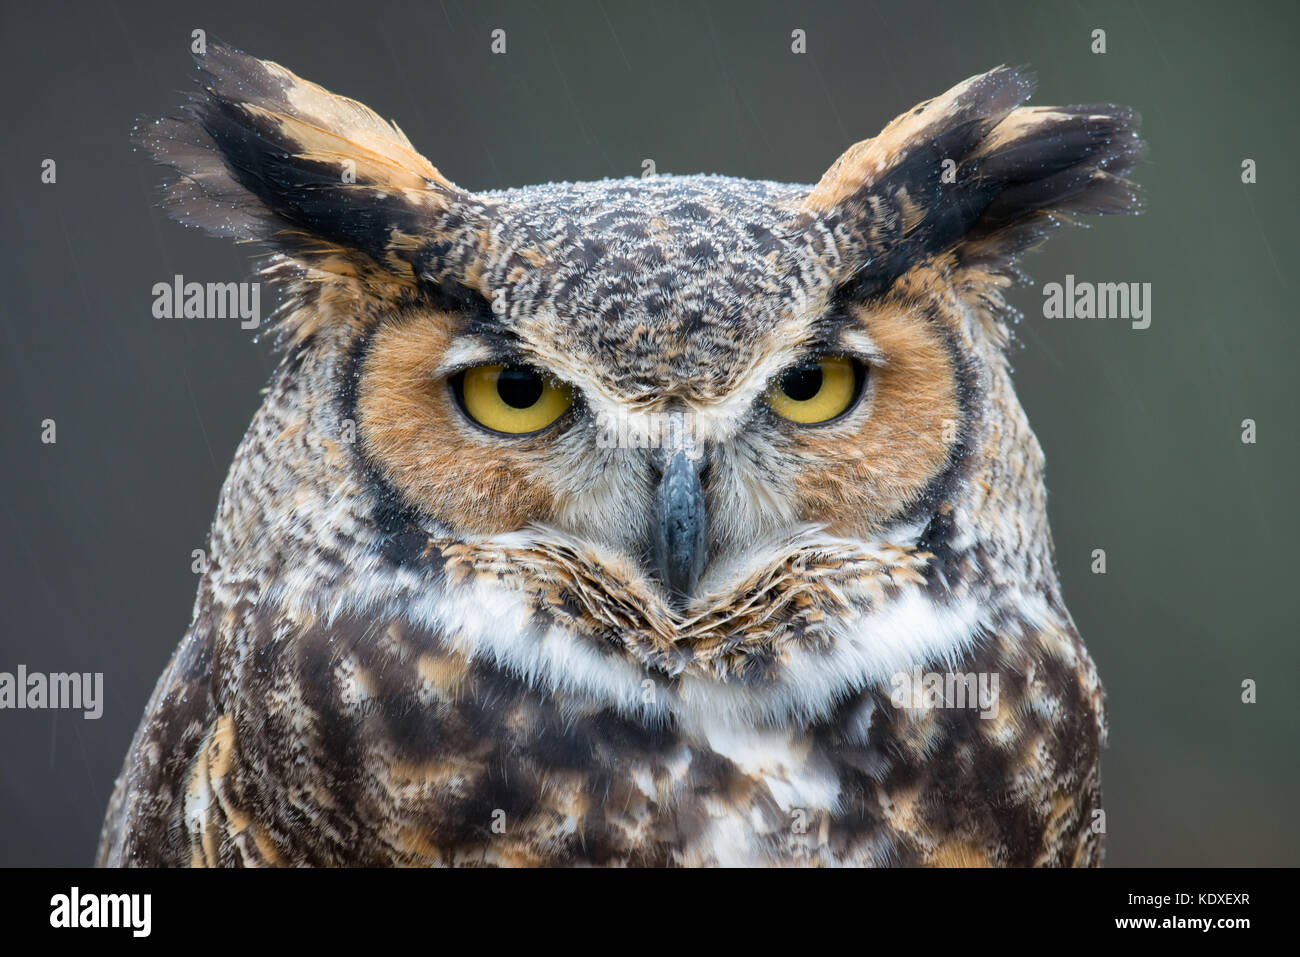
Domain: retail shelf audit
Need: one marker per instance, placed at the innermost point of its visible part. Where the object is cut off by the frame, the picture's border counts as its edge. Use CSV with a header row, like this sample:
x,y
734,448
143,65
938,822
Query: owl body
x,y
633,522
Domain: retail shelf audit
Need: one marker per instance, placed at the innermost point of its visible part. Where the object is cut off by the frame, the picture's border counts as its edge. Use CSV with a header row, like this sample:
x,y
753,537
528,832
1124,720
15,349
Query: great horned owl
x,y
605,522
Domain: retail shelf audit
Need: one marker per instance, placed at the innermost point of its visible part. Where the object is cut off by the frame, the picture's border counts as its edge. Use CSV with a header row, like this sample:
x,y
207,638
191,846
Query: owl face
x,y
681,319
712,429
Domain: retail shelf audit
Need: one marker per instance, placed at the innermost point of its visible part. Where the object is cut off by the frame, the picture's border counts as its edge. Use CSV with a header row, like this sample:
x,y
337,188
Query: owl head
x,y
705,423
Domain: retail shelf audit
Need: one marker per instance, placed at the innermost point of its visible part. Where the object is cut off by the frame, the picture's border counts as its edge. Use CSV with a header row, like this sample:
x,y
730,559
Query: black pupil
x,y
519,388
803,383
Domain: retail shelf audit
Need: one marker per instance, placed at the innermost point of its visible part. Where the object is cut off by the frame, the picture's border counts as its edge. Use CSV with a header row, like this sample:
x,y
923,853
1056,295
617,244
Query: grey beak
x,y
681,526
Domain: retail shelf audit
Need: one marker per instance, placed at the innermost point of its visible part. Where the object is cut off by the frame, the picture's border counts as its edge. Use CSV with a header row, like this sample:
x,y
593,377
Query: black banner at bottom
x,y
335,906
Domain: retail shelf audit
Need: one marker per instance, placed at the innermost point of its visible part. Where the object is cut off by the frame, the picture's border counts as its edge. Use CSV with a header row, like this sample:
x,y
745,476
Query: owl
x,y
680,520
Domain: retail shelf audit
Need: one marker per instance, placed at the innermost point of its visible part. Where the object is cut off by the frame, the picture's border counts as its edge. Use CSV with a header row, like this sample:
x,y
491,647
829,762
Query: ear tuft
x,y
265,155
975,172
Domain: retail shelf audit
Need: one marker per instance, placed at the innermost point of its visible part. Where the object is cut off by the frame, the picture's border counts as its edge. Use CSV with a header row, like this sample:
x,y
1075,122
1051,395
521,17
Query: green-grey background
x,y
1141,428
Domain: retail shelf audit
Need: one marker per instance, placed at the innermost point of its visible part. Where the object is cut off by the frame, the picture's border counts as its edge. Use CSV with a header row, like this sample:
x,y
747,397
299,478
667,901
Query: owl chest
x,y
613,794
517,782
421,756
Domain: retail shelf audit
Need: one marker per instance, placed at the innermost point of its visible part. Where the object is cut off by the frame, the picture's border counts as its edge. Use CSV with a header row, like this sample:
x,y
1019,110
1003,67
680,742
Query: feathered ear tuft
x,y
974,172
265,155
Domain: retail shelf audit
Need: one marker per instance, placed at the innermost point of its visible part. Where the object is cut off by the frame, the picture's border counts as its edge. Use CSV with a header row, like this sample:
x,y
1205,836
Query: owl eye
x,y
511,399
817,391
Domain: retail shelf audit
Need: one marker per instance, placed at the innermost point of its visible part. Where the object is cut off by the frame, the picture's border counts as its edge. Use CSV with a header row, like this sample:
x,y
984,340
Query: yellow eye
x,y
511,399
816,391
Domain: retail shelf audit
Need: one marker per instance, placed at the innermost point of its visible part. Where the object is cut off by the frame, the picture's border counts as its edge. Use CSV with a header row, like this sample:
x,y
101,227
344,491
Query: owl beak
x,y
681,526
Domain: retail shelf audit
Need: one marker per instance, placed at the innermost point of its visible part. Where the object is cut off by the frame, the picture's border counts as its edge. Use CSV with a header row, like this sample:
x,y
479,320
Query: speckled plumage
x,y
418,643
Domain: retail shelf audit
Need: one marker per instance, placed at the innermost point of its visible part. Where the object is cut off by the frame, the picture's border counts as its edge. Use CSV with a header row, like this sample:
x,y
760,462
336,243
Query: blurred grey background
x,y
1141,428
